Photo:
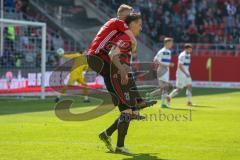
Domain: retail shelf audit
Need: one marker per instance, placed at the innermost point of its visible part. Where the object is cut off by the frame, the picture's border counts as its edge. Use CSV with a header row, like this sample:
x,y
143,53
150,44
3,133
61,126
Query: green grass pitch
x,y
31,131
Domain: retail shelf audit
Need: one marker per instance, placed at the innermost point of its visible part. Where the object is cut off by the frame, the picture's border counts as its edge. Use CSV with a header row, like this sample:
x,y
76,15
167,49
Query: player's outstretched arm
x,y
73,55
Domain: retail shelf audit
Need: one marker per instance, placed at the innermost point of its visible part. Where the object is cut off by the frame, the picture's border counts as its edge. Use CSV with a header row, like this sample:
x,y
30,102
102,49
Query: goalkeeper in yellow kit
x,y
78,69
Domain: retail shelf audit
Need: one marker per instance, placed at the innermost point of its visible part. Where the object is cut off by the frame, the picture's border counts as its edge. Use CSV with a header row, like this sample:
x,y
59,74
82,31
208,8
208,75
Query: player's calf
x,y
174,93
189,95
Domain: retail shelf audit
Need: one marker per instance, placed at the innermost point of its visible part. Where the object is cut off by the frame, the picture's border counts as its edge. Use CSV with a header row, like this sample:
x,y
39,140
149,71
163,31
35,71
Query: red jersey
x,y
123,42
109,29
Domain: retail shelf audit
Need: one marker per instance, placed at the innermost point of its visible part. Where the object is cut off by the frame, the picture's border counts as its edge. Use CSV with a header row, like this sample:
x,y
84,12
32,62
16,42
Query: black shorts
x,y
97,64
123,96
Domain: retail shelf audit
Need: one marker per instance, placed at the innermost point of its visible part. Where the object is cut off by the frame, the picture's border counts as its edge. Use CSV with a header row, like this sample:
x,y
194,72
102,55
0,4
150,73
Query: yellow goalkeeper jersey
x,y
79,60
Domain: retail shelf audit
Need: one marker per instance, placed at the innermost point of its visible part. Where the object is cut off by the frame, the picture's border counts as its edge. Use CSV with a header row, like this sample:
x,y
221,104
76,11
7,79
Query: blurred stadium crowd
x,y
202,21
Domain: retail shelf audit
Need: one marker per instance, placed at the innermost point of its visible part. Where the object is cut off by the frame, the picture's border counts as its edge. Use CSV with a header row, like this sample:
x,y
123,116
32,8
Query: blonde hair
x,y
188,45
167,39
122,8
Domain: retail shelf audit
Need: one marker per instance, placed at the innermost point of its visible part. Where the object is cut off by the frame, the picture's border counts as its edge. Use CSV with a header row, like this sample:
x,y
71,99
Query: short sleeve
x,y
158,57
181,60
121,25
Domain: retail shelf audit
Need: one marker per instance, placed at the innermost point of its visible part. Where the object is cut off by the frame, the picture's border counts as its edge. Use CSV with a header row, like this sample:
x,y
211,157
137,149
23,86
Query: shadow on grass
x,y
181,109
141,156
201,106
144,156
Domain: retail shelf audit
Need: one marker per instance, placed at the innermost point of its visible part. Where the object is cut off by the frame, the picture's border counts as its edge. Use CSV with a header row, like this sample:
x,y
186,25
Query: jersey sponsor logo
x,y
166,60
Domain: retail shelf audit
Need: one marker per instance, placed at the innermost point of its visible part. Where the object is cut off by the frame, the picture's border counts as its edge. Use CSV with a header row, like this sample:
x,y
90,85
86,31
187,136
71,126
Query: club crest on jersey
x,y
121,43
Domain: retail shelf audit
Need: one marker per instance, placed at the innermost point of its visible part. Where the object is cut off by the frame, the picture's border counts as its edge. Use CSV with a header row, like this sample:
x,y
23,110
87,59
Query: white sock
x,y
189,95
164,97
174,93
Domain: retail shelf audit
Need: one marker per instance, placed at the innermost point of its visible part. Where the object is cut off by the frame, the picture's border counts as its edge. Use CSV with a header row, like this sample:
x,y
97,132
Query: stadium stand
x,y
211,24
207,21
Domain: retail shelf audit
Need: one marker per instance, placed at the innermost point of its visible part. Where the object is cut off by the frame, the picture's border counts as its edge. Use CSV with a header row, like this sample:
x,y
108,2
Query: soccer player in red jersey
x,y
113,63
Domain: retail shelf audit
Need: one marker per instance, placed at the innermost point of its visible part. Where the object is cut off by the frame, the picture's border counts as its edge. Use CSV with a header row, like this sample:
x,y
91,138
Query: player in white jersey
x,y
183,77
163,61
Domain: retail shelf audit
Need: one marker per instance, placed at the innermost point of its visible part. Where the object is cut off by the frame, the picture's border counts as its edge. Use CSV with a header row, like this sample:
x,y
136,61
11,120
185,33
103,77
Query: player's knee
x,y
167,87
179,90
189,87
188,93
171,86
125,117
